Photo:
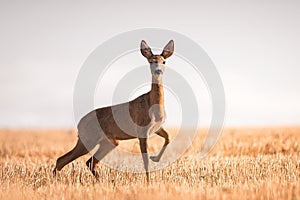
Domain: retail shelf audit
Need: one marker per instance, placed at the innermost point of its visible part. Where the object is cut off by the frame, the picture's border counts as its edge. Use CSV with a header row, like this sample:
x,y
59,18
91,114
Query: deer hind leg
x,y
106,146
76,152
143,147
161,132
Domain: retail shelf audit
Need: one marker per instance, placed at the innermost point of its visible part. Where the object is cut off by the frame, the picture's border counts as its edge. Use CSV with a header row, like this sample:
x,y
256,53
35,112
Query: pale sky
x,y
255,45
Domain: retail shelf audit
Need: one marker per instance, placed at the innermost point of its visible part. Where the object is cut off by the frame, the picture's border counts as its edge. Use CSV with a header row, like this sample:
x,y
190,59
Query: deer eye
x,y
164,62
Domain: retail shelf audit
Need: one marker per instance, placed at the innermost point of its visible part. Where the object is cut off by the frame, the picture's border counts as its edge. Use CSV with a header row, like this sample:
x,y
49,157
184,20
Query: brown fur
x,y
146,111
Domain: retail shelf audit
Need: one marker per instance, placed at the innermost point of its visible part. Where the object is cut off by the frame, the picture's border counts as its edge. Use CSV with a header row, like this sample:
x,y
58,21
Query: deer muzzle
x,y
158,71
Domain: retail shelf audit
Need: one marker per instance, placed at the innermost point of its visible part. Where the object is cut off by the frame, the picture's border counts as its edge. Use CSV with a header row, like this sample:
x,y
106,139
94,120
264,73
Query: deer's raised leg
x,y
161,132
106,146
143,147
76,152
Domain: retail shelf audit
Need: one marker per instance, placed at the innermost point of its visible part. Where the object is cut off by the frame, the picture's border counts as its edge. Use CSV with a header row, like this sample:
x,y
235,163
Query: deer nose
x,y
158,71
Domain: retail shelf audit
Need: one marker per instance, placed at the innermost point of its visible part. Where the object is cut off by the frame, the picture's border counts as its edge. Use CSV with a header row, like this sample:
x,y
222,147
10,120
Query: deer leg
x,y
143,147
161,132
76,152
106,146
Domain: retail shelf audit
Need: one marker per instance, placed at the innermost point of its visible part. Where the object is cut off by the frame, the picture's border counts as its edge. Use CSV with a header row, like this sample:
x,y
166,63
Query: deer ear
x,y
168,50
146,50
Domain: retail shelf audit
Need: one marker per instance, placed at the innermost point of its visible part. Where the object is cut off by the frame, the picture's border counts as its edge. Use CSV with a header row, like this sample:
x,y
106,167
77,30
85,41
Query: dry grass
x,y
252,163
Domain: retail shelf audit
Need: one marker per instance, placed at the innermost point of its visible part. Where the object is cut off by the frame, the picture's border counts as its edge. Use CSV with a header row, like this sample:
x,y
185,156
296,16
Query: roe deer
x,y
146,111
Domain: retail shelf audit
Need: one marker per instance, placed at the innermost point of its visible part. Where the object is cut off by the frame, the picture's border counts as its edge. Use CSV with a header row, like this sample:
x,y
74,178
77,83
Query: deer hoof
x,y
154,158
54,171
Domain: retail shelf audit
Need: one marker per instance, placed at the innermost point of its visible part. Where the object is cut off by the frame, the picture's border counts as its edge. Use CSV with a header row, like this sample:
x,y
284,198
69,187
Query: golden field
x,y
246,163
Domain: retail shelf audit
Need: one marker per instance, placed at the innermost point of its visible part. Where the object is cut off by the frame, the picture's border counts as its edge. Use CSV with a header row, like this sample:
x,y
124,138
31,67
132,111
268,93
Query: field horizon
x,y
249,162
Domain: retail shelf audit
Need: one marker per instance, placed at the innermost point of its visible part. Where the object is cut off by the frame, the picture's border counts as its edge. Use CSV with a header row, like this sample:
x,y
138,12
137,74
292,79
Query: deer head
x,y
157,62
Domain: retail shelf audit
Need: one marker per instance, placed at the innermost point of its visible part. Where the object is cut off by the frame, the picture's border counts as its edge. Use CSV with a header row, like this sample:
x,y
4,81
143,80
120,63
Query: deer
x,y
146,117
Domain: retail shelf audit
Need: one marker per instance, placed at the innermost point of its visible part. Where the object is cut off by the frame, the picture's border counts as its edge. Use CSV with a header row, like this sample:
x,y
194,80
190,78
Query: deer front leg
x,y
161,132
143,146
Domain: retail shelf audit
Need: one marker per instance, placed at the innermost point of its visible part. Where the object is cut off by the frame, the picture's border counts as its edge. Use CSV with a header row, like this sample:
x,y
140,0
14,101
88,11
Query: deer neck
x,y
157,93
